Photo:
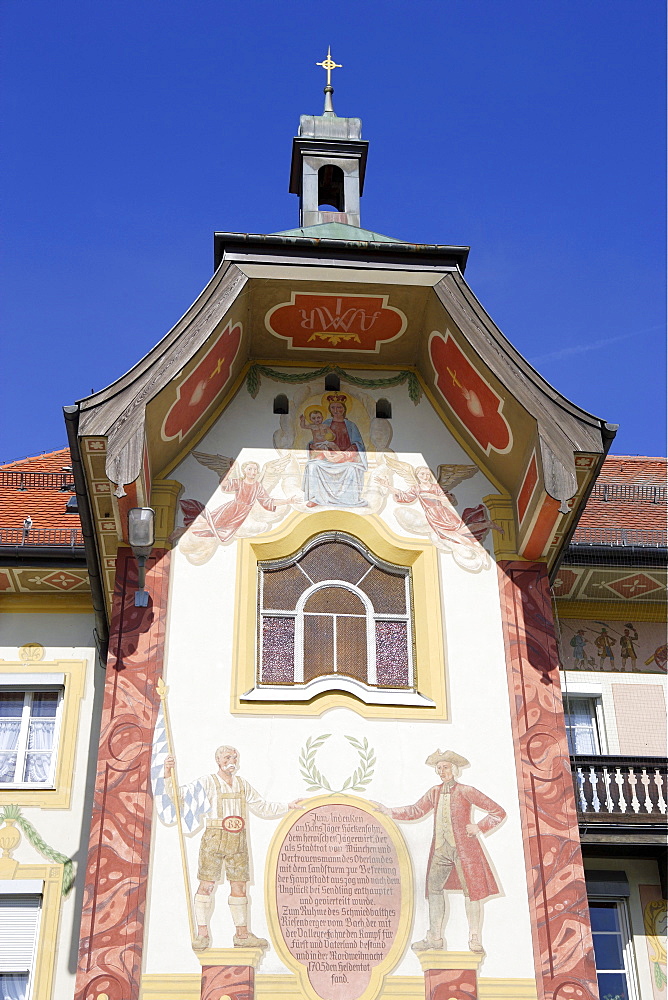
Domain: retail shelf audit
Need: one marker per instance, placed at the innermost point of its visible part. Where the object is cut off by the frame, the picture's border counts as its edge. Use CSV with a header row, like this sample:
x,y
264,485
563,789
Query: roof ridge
x,y
34,458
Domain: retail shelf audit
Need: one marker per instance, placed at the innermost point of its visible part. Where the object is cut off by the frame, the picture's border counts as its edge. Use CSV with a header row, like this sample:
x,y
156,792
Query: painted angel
x,y
251,487
437,517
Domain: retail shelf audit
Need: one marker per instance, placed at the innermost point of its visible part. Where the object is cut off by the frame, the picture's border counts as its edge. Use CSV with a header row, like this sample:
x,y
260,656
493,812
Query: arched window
x,y
281,404
334,615
384,409
332,383
330,188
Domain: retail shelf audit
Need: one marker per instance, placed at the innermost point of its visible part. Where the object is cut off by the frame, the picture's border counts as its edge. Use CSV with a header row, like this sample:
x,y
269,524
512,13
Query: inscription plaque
x,y
339,897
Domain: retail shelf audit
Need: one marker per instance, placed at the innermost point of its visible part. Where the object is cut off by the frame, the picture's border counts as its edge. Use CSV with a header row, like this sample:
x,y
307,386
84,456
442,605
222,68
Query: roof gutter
x,y
608,432
101,630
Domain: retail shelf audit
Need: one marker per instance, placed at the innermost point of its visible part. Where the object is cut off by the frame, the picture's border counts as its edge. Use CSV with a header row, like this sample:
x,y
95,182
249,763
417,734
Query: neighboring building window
x,y
19,916
28,736
581,716
334,610
613,951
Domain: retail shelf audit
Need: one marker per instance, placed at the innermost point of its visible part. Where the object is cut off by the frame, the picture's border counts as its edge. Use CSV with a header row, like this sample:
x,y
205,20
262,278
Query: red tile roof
x,y
624,495
38,498
49,461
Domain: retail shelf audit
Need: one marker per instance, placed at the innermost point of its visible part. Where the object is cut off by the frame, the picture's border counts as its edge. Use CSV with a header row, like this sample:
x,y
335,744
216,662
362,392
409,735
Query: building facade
x,y
340,562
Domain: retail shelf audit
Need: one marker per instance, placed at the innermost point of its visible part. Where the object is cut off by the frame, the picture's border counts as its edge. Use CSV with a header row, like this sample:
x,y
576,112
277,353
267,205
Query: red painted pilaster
x,y
450,984
563,951
234,981
112,925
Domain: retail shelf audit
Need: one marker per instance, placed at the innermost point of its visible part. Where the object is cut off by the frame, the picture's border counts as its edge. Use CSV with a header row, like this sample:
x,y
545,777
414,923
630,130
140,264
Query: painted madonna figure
x,y
334,474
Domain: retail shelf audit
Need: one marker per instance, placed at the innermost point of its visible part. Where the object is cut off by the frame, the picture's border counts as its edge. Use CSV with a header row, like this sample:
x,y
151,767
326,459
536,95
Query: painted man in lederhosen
x,y
224,799
456,859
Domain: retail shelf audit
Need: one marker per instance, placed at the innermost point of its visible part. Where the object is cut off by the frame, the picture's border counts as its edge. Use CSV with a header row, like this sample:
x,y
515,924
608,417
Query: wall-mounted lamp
x,y
141,536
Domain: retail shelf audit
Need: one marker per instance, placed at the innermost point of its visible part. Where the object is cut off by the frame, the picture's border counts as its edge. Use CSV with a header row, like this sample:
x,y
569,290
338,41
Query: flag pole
x,y
162,694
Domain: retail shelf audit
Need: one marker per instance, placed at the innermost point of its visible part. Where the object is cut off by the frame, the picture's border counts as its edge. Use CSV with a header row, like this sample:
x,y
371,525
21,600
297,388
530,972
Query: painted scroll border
x,y
563,948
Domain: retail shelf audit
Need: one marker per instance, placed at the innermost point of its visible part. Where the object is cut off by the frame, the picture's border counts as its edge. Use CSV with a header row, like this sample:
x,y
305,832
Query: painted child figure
x,y
457,860
321,436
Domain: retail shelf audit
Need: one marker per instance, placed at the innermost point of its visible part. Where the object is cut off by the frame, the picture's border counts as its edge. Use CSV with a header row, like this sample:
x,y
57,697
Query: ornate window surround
x,y
427,701
69,675
45,880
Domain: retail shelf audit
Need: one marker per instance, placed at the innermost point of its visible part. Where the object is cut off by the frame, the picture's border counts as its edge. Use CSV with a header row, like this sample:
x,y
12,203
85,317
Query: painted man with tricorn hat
x,y
457,860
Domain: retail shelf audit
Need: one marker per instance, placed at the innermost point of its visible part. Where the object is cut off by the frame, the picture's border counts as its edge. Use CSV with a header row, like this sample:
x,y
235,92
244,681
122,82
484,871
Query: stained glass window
x,y
334,609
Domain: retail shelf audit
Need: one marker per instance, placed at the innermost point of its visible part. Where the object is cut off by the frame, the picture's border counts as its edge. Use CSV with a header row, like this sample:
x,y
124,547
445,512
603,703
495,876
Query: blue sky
x,y
531,131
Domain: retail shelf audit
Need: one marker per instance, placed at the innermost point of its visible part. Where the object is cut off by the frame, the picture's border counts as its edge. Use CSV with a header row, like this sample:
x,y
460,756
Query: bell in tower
x,y
328,163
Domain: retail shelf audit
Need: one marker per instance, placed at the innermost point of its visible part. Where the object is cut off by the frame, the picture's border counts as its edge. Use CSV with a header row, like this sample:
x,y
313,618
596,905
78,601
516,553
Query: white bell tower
x,y
328,163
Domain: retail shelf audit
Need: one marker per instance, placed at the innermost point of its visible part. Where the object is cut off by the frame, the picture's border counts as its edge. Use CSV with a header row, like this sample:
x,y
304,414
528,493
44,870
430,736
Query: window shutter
x,y
18,927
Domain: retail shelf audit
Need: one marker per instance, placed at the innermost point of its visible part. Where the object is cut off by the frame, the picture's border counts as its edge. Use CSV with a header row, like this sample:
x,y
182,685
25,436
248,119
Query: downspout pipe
x,y
71,414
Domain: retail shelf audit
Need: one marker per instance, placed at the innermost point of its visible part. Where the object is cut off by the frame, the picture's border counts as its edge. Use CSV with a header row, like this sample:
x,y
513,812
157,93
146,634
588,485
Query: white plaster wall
x,y
64,636
598,684
199,668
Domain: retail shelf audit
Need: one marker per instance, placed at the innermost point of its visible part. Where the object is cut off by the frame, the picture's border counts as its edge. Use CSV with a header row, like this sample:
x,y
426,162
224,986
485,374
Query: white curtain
x,y
40,737
9,737
580,726
13,985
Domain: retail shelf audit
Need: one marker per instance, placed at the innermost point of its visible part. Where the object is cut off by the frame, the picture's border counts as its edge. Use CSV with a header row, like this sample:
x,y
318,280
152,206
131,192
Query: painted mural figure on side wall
x,y
221,801
457,860
642,649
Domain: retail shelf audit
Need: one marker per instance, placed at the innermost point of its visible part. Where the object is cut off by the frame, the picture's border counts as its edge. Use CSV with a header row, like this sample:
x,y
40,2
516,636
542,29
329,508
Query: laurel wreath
x,y
316,780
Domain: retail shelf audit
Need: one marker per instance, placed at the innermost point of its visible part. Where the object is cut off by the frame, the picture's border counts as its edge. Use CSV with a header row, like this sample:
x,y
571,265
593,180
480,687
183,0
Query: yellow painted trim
x,y
421,557
45,604
75,679
187,986
171,986
613,610
398,947
164,495
45,951
502,511
436,959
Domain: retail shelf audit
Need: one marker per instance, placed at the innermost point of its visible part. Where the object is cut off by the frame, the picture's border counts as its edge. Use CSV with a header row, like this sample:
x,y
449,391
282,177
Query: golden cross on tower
x,y
329,65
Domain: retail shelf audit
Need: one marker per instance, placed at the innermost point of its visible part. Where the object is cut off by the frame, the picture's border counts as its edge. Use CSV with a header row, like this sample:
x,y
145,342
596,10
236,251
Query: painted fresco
x,y
198,391
470,397
334,452
618,647
327,322
457,860
299,810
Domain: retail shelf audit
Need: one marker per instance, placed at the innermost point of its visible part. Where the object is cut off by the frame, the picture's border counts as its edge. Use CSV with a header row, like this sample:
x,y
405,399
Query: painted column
x,y
562,942
229,973
450,975
112,925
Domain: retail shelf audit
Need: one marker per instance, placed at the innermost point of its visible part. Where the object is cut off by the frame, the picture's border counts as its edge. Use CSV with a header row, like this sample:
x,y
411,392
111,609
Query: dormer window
x,y
335,617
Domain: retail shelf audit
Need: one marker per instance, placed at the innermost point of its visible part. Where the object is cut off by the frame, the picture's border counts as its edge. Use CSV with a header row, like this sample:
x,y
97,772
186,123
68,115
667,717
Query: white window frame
x,y
28,686
368,691
33,888
596,714
628,952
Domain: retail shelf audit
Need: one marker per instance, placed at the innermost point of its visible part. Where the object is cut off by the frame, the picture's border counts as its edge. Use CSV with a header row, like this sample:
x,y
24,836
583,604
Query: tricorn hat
x,y
446,755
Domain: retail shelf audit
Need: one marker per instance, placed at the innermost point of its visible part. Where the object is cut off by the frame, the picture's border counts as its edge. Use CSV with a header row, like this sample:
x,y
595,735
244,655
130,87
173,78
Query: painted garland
x,y
316,780
14,814
255,373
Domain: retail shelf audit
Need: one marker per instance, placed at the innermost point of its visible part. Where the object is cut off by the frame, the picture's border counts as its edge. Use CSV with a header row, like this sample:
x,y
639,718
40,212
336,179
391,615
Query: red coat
x,y
480,881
